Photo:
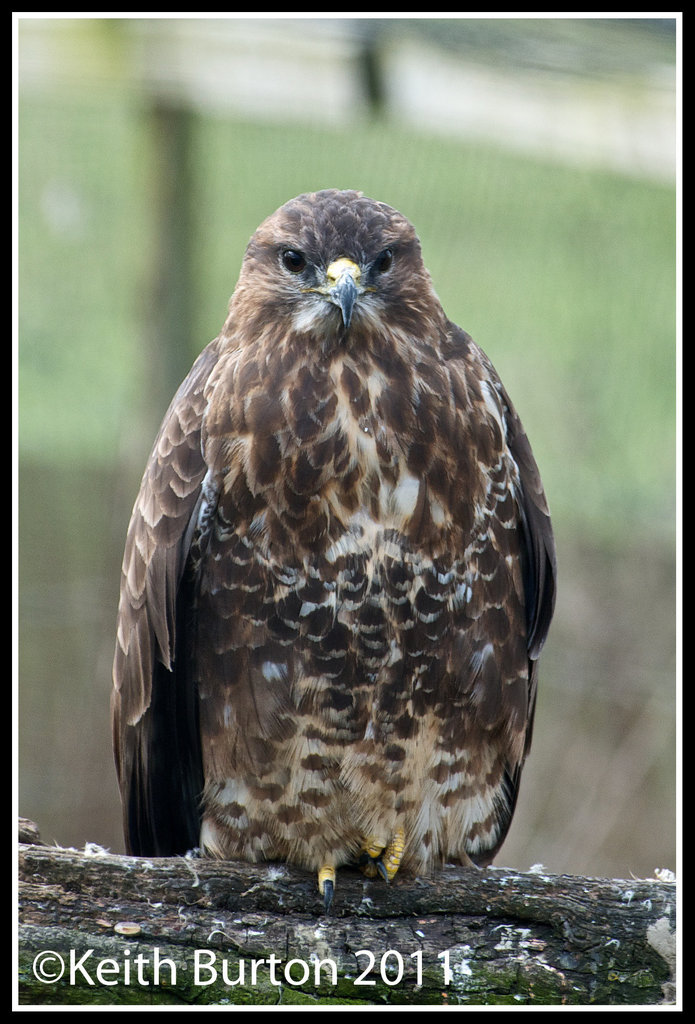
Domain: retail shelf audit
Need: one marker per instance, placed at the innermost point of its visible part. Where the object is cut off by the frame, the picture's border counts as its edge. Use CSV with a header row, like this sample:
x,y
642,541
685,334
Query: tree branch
x,y
196,931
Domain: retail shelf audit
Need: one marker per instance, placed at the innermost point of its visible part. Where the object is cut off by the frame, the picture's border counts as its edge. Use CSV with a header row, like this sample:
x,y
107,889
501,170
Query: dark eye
x,y
383,261
294,261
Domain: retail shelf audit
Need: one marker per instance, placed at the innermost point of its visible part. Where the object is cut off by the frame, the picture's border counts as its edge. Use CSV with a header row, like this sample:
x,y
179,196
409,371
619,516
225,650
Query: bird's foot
x,y
379,859
376,858
327,885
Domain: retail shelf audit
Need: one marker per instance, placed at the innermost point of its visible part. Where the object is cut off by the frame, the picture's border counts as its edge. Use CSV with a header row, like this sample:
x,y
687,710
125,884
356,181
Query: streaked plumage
x,y
339,571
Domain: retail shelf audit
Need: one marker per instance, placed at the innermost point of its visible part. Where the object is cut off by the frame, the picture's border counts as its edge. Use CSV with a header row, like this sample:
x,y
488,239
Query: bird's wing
x,y
154,703
540,568
538,555
538,545
539,561
535,547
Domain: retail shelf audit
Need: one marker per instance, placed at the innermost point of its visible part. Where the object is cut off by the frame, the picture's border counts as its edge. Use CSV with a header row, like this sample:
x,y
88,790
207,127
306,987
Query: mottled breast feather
x,y
339,572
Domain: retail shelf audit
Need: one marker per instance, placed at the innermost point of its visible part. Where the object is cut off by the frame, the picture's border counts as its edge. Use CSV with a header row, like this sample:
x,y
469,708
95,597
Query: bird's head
x,y
334,265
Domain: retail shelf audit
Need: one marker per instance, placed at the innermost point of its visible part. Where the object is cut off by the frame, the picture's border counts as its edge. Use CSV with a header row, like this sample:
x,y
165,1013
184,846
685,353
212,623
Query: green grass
x,y
566,277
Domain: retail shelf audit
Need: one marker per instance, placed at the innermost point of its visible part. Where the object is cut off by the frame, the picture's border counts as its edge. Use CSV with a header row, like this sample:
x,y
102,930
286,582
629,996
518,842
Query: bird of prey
x,y
338,575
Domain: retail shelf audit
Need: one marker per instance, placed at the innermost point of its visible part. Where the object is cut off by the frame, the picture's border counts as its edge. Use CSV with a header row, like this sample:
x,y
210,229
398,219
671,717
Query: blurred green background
x,y
536,158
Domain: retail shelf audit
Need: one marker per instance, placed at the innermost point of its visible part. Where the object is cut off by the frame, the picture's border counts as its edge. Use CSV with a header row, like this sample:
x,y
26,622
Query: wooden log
x,y
98,928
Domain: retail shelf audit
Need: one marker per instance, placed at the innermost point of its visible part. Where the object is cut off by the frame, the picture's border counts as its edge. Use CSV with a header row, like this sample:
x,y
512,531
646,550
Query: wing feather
x,y
537,556
540,570
154,699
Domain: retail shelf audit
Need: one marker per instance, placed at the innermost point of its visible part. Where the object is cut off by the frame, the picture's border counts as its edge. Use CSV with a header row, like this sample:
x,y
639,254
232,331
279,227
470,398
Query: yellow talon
x,y
372,846
327,884
393,854
371,850
379,859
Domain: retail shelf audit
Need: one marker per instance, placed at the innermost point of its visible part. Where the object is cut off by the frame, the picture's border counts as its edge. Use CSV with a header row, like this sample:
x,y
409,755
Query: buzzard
x,y
338,575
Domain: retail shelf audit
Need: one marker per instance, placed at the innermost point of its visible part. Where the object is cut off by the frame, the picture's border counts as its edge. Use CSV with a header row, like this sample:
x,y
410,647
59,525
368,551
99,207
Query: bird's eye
x,y
383,261
294,261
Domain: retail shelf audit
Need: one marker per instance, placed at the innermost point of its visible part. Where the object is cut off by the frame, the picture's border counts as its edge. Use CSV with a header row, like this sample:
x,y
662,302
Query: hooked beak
x,y
342,281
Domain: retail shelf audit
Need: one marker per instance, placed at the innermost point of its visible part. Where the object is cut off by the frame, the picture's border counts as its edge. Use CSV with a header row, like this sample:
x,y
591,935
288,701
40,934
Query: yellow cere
x,y
341,266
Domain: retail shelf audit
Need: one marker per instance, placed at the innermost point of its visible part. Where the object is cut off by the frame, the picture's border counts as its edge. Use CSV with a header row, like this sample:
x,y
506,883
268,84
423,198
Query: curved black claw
x,y
328,890
374,866
326,880
382,859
